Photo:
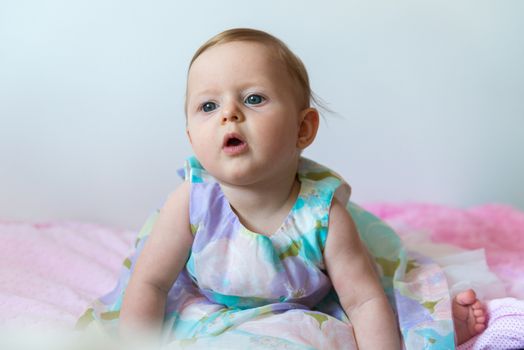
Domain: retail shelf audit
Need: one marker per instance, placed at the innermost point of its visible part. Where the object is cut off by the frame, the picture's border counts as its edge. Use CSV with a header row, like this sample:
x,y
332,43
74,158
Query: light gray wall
x,y
429,99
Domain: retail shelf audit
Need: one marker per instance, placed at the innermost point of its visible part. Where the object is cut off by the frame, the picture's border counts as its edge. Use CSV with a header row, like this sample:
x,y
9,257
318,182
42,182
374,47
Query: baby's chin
x,y
236,180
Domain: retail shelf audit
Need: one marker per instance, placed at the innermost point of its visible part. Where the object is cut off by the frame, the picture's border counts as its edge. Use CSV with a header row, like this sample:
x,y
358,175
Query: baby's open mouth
x,y
234,144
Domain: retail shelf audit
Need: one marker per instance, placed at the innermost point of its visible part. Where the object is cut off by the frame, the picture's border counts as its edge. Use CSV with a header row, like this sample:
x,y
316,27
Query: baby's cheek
x,y
204,143
284,145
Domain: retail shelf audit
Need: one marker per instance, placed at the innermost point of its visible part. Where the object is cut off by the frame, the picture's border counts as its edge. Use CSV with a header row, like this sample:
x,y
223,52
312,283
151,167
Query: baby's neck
x,y
263,209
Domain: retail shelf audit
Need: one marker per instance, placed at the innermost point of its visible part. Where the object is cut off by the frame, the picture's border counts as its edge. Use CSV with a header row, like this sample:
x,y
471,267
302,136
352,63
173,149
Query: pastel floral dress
x,y
242,289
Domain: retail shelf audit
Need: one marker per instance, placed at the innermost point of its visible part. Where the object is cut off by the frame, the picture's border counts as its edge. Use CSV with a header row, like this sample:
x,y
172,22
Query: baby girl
x,y
258,240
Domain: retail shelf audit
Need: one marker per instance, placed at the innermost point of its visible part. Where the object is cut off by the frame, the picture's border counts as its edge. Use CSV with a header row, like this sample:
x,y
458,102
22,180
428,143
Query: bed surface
x,y
51,271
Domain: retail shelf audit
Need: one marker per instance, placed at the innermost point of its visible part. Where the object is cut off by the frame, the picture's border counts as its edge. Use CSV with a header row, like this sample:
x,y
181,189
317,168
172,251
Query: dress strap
x,y
313,174
194,172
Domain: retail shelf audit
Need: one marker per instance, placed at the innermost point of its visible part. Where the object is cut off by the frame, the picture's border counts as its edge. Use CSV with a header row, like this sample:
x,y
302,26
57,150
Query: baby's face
x,y
242,113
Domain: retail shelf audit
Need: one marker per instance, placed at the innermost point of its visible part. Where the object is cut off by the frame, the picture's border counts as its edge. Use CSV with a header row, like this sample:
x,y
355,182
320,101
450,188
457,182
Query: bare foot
x,y
469,316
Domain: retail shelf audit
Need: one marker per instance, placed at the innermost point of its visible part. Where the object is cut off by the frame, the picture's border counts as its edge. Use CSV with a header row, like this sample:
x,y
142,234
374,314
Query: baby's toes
x,y
478,309
479,327
477,305
479,315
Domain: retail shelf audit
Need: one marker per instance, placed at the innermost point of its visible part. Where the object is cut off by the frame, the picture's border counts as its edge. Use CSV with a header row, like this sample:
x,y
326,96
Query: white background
x,y
428,95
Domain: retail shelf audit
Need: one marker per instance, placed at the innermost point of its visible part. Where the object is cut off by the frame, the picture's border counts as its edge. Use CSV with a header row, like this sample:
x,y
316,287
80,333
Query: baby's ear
x,y
308,127
188,135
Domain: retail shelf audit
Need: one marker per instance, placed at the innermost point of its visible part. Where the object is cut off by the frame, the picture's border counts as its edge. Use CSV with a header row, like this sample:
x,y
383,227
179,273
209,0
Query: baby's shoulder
x,y
178,199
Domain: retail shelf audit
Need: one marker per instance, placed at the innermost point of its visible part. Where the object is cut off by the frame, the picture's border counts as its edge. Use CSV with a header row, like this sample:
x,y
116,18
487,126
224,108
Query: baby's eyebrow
x,y
199,96
204,92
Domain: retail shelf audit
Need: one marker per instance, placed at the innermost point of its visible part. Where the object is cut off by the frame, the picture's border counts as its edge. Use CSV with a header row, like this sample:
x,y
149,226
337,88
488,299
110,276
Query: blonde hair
x,y
293,64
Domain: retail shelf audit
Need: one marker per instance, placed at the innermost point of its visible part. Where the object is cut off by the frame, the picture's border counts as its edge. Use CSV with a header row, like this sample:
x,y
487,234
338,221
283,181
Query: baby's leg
x,y
469,316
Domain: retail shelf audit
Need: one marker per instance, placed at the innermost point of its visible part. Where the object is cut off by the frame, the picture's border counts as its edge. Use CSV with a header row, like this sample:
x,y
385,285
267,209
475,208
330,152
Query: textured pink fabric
x,y
50,272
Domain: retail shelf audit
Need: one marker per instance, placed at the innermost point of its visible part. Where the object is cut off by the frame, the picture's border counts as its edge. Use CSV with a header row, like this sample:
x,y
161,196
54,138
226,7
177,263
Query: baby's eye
x,y
209,106
254,99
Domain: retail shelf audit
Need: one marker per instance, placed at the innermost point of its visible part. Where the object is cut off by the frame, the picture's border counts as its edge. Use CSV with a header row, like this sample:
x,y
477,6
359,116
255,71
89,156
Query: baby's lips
x,y
234,145
231,136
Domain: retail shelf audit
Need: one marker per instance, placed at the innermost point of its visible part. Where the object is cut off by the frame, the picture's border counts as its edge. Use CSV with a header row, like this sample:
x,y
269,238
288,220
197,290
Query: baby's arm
x,y
163,257
357,284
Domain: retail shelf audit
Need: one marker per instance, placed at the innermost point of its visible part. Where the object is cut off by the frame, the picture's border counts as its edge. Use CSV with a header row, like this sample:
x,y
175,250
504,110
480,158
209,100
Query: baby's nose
x,y
232,116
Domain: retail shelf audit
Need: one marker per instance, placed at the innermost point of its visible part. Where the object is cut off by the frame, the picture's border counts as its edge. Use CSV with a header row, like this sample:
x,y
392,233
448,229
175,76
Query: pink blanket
x,y
50,272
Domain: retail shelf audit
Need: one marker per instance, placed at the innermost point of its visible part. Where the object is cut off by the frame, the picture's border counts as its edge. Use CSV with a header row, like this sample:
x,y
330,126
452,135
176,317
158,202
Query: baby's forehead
x,y
242,61
250,52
